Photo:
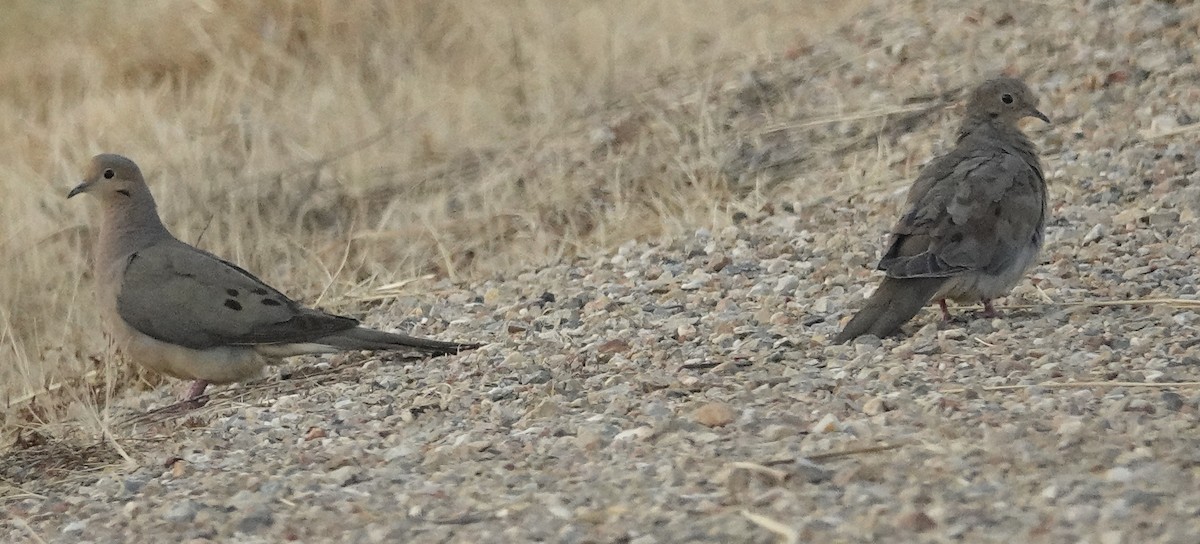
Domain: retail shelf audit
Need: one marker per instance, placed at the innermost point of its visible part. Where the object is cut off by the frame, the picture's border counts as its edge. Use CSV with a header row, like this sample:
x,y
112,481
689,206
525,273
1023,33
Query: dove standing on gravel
x,y
181,311
975,217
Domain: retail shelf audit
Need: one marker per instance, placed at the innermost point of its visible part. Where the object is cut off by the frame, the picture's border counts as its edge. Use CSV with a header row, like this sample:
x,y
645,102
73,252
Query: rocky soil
x,y
684,389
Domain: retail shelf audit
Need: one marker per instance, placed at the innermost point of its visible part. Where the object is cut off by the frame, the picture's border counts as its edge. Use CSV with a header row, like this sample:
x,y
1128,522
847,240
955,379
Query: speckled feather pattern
x,y
975,217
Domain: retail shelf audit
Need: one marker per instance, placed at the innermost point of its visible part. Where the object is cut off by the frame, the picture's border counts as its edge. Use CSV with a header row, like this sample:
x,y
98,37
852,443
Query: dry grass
x,y
333,147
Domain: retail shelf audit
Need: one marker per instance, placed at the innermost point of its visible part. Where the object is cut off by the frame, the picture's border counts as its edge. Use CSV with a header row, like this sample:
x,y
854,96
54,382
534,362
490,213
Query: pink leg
x,y
195,390
945,310
988,309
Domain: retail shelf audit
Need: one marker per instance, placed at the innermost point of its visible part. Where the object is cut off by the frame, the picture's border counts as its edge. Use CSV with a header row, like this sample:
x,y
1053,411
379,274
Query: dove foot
x,y
192,399
989,311
945,311
195,393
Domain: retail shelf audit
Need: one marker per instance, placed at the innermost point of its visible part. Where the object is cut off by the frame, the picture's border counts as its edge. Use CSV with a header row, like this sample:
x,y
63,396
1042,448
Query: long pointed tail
x,y
370,339
893,304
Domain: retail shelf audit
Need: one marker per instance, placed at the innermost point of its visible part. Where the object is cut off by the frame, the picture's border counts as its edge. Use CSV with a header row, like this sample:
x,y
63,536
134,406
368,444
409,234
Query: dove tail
x,y
894,303
370,339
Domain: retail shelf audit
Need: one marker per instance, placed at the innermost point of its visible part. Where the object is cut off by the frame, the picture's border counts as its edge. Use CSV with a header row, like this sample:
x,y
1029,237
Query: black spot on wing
x,y
233,305
262,289
270,302
232,292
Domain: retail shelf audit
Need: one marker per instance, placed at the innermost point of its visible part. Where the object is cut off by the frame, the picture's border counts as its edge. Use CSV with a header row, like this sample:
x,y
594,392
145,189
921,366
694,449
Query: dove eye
x,y
108,174
1006,98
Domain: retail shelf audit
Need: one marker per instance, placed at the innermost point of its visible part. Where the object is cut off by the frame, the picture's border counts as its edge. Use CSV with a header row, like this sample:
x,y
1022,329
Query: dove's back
x,y
974,219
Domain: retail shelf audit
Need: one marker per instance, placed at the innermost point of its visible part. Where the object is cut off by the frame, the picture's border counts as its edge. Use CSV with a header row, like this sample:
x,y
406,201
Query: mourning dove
x,y
186,313
975,217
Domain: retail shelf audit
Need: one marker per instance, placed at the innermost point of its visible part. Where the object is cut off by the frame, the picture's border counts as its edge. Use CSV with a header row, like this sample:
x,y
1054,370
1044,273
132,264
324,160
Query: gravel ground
x,y
684,389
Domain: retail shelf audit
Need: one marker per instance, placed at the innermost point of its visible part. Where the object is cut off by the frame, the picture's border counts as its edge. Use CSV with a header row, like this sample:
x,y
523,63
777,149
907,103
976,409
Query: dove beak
x,y
1033,112
79,189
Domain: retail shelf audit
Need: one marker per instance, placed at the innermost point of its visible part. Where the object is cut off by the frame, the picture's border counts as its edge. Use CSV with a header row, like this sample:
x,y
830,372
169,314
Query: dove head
x,y
111,177
1003,99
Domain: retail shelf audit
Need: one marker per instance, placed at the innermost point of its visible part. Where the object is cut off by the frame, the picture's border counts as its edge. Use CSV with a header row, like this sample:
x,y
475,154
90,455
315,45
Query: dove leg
x,y
195,390
945,310
988,309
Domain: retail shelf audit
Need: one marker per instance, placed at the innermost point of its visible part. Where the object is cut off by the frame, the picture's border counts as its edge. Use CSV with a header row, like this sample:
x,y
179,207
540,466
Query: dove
x,y
975,217
186,313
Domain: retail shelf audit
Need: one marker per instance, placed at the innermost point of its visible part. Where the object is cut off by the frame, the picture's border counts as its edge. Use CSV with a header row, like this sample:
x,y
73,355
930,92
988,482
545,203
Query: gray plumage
x,y
974,220
186,313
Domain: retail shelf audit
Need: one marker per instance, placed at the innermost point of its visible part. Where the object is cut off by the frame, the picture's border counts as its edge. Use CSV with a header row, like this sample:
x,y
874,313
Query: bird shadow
x,y
291,380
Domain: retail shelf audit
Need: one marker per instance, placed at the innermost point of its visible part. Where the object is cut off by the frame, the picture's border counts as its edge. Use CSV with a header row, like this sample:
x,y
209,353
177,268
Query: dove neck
x,y
986,130
130,223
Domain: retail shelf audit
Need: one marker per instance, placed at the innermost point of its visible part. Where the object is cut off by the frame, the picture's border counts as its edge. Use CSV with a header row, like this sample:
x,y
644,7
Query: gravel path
x,y
685,390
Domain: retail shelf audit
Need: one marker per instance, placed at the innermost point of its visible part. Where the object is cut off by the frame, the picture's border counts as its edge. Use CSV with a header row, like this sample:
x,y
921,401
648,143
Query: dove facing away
x,y
186,313
974,220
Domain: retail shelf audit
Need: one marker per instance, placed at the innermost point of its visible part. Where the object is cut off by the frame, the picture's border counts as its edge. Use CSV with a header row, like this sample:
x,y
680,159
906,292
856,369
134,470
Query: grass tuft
x,y
335,147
